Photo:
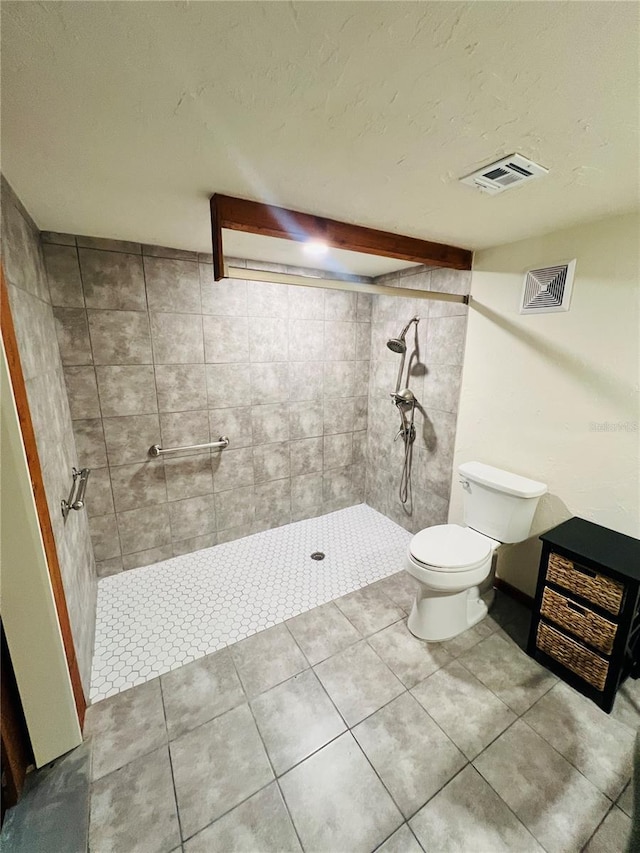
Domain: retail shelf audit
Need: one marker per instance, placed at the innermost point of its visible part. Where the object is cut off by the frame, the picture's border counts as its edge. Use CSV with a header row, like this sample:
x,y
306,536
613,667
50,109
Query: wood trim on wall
x,y
253,217
37,485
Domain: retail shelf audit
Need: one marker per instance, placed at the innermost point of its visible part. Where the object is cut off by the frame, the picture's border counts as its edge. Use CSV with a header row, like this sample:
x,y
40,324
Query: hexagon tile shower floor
x,y
159,617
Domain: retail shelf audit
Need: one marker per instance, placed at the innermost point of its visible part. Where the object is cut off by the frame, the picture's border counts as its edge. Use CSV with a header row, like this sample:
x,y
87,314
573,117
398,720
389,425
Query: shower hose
x,y
408,433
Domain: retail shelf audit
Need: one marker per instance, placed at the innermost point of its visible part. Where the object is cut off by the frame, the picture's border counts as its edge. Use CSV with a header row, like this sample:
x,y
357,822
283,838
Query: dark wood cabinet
x,y
586,618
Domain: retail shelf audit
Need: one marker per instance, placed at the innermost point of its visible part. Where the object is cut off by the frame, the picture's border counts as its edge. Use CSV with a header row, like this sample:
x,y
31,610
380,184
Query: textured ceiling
x,y
120,119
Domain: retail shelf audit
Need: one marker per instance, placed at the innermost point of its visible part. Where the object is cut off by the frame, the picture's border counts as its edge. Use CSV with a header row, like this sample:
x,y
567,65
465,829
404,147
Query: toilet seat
x,y
450,548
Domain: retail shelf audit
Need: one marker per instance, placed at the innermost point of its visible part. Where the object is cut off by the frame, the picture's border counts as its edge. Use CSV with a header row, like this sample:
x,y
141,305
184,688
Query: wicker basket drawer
x,y
601,590
587,664
584,623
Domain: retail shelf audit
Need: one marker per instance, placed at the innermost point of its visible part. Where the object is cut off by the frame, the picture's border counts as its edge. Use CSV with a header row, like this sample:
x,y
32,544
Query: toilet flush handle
x,y
465,484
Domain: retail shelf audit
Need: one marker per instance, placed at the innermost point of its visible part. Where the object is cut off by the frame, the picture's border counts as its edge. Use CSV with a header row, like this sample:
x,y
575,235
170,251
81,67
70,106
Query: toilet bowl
x,y
451,561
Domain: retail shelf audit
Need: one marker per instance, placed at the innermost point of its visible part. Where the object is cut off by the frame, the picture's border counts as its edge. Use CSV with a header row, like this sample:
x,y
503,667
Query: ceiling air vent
x,y
504,174
548,289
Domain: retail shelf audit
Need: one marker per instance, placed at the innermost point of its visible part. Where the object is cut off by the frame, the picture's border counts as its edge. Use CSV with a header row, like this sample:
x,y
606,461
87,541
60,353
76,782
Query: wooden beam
x,y
254,217
37,485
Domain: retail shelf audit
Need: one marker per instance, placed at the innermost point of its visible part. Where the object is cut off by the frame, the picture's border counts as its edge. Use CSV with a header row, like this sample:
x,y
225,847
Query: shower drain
x,y
317,555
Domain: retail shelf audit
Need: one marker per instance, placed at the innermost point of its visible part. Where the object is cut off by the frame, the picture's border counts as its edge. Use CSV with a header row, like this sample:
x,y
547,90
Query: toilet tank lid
x,y
502,481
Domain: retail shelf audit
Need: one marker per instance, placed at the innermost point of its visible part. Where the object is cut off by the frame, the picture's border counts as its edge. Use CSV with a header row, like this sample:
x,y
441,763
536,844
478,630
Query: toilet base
x,y
438,616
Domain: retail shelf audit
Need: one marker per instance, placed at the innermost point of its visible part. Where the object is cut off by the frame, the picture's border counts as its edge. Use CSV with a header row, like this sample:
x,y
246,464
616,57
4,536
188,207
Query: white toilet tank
x,y
497,503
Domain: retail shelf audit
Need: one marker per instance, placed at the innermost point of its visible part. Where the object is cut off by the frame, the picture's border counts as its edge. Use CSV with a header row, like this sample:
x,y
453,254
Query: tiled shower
x,y
154,352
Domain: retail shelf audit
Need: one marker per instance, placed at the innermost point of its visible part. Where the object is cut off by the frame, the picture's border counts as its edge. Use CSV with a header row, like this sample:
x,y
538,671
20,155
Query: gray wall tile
x,y
339,341
226,298
73,336
181,429
147,558
306,340
232,468
267,300
271,461
340,305
126,390
57,237
235,507
226,339
235,423
270,423
192,517
172,286
63,272
228,385
129,438
144,528
109,245
177,338
305,419
266,340
269,383
90,446
112,280
83,392
306,456
188,476
99,498
181,387
139,485
271,366
104,536
120,337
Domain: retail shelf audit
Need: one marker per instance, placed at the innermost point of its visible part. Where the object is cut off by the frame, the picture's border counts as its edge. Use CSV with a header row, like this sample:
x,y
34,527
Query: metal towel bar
x,y
155,449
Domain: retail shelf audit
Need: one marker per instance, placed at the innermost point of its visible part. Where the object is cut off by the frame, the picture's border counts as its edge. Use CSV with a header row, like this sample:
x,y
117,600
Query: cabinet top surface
x,y
609,549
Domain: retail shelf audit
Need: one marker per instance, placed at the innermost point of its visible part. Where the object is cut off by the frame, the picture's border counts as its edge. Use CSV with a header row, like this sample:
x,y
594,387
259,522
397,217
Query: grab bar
x,y
78,488
155,450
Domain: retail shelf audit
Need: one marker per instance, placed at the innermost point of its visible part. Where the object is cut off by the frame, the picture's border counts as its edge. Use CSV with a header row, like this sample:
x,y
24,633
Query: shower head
x,y
397,345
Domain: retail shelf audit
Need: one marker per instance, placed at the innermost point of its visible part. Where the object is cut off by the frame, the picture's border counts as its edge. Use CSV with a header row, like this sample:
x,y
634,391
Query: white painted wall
x,y
29,613
534,384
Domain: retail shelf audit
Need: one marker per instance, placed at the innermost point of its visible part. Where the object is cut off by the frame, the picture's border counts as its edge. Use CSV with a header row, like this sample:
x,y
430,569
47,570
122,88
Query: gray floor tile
x,y
261,824
470,714
410,658
200,691
216,766
369,609
599,746
469,817
358,682
295,719
457,646
410,753
402,841
337,802
626,708
125,726
134,808
53,811
625,800
401,589
323,632
554,801
512,675
266,659
612,834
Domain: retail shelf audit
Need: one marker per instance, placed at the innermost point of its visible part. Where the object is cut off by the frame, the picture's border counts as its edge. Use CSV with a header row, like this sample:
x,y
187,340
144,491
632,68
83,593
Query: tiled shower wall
x,y
435,355
155,352
32,314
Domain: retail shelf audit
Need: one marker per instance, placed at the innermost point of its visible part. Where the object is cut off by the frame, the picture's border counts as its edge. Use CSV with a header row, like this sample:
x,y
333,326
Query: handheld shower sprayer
x,y
399,345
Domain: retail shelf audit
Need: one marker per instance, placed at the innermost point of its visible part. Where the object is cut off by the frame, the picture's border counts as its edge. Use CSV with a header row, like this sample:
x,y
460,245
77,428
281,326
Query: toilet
x,y
451,561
